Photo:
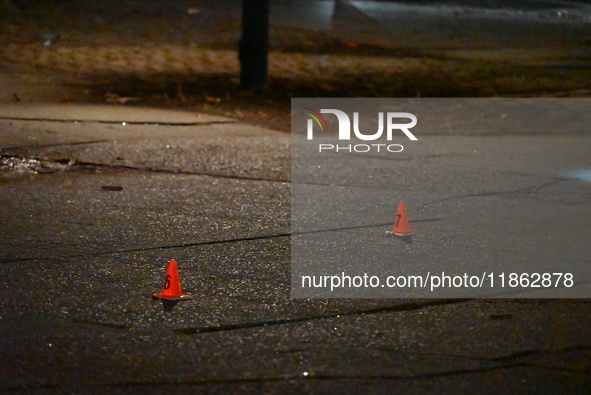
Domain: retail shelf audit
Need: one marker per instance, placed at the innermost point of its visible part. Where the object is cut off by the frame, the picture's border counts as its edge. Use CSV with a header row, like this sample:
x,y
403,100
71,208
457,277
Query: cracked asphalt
x,y
96,199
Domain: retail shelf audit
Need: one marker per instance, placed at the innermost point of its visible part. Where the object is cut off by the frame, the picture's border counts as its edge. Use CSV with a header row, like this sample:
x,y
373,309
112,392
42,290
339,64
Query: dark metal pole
x,y
253,45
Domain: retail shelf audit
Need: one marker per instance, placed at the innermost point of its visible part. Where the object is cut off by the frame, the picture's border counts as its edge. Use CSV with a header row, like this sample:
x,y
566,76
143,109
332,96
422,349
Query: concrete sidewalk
x,y
94,201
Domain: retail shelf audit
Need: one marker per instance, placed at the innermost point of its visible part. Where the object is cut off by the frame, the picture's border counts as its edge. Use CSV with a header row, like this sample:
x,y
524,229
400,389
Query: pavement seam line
x,y
142,123
213,242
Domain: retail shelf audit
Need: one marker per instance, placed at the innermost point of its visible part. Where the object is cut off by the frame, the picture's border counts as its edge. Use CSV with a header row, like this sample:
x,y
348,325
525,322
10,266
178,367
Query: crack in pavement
x,y
175,171
105,324
286,378
210,242
143,123
409,306
508,357
403,307
379,187
165,247
526,353
523,191
383,187
49,166
397,308
50,145
345,228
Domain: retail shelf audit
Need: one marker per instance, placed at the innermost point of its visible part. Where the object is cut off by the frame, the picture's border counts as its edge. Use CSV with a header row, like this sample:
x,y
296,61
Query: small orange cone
x,y
172,285
401,227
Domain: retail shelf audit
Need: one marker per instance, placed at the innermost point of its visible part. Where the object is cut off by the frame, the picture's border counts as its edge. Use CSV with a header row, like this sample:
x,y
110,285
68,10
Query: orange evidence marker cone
x,y
172,285
401,227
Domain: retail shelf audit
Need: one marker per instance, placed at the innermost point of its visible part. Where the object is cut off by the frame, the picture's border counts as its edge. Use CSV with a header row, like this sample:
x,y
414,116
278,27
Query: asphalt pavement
x,y
96,199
